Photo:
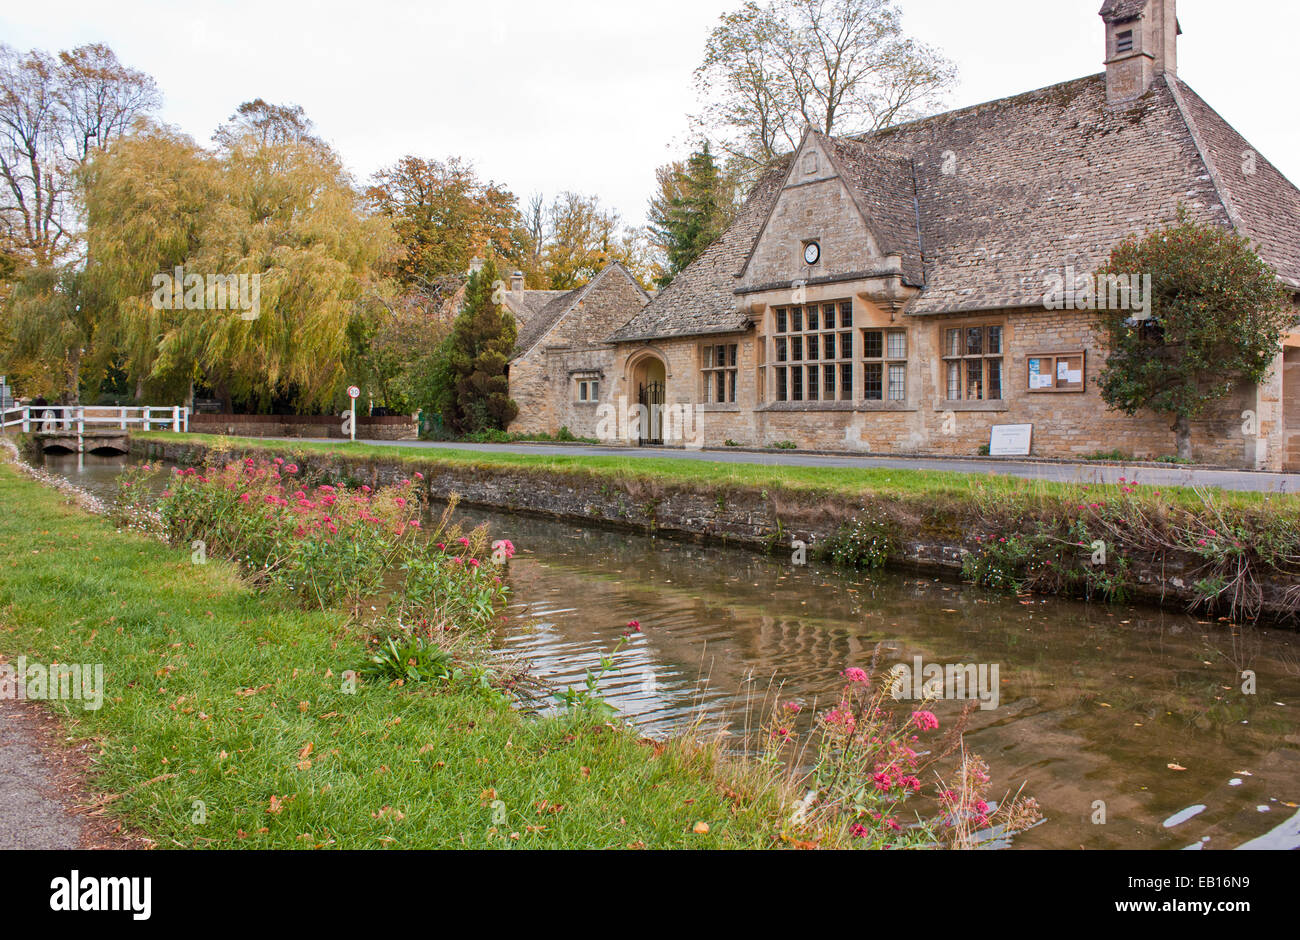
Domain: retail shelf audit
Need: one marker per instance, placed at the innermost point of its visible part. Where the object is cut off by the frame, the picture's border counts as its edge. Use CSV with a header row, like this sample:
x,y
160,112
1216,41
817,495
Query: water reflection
x,y
1128,715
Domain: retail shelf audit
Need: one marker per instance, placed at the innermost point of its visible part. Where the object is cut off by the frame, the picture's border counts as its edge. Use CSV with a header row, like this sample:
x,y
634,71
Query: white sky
x,y
592,95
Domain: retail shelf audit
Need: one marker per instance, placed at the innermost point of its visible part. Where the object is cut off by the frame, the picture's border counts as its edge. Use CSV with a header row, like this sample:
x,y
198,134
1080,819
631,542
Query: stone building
x,y
893,293
563,359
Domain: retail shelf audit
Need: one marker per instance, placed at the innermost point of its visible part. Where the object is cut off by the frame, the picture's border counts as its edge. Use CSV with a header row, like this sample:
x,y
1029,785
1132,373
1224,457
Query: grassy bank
x,y
225,722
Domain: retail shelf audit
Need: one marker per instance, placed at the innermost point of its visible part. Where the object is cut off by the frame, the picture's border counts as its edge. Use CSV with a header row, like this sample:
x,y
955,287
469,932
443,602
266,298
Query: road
x,y
1240,480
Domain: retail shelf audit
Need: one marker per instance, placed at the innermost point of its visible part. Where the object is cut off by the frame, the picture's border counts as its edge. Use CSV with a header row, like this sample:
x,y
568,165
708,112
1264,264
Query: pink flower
x,y
290,468
635,625
464,542
473,562
419,476
793,707
859,831
925,720
854,674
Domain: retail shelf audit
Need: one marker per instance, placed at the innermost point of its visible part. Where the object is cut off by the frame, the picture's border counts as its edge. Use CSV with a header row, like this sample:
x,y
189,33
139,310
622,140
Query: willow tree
x,y
154,202
295,222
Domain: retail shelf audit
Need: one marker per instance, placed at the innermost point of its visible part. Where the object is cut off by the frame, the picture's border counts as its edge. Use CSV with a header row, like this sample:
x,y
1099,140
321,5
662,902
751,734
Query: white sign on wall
x,y
1011,440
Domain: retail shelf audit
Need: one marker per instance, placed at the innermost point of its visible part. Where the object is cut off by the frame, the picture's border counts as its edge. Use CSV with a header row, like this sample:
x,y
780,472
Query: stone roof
x,y
1120,10
528,304
556,305
1008,193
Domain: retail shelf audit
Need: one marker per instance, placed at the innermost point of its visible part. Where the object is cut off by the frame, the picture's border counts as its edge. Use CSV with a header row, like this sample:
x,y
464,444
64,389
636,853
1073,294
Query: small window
x,y
588,390
1124,42
720,370
973,363
885,370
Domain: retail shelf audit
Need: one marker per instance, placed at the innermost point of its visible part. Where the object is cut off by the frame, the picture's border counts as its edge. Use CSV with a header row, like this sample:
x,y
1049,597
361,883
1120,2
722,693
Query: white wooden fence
x,y
77,419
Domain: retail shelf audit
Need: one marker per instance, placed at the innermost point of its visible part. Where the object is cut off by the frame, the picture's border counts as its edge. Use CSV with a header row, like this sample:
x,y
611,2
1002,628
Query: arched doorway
x,y
648,380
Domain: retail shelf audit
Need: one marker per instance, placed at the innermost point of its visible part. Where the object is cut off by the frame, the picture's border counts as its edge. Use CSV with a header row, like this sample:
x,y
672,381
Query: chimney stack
x,y
1141,43
517,281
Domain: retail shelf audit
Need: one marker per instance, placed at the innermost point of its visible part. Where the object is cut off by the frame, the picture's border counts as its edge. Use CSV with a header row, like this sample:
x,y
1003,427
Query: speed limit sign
x,y
354,392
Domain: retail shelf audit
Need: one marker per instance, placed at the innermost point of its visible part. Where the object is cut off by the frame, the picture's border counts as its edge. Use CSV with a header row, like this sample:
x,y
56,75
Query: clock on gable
x,y
812,253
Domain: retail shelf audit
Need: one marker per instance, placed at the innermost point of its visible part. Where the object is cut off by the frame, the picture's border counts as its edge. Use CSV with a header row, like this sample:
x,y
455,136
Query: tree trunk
x,y
1183,431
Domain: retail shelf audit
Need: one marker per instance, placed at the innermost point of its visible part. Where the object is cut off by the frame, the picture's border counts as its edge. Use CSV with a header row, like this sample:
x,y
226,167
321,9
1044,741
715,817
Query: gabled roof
x,y
1006,194
527,304
560,303
1120,10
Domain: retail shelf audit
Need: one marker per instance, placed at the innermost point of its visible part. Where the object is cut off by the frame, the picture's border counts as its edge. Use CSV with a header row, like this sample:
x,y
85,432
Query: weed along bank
x,y
1226,554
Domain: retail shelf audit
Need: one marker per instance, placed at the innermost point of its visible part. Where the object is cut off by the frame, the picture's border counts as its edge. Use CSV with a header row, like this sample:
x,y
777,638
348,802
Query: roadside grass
x,y
225,722
921,485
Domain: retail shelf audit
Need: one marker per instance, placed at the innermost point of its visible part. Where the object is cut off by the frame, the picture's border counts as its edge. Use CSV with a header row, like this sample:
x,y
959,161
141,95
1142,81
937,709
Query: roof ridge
x,y
1216,179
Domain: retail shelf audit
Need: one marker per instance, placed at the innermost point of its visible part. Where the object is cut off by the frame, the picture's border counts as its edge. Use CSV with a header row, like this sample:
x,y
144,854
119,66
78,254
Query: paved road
x,y
1242,480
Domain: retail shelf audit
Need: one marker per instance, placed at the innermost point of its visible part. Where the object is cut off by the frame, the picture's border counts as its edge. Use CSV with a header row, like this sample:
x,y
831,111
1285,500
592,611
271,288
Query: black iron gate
x,y
652,399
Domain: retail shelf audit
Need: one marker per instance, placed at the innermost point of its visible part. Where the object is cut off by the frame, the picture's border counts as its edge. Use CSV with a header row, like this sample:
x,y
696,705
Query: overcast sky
x,y
592,95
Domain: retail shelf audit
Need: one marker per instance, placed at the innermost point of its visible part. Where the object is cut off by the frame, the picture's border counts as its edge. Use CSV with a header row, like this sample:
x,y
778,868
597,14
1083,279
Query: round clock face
x,y
812,252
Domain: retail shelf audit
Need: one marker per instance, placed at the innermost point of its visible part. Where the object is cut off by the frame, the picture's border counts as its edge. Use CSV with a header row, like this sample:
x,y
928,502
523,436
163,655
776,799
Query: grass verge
x,y
225,722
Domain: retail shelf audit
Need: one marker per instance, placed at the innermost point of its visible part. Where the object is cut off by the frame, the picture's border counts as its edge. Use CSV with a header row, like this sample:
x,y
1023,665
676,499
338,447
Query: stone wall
x,y
764,518
1067,424
397,428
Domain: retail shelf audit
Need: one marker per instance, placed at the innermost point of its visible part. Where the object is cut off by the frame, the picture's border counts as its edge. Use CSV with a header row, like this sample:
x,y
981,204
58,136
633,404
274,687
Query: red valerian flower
x,y
925,720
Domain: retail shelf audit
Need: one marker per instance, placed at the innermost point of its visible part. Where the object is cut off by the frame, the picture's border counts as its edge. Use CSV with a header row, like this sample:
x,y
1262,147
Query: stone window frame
x,y
791,333
712,372
588,391
1125,41
890,362
964,359
1056,387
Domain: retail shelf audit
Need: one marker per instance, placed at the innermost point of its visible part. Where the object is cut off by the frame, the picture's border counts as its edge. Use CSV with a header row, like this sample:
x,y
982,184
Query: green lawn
x,y
218,694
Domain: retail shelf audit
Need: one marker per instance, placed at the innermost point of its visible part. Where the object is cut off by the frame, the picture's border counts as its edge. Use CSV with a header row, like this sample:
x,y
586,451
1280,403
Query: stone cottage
x,y
893,293
563,359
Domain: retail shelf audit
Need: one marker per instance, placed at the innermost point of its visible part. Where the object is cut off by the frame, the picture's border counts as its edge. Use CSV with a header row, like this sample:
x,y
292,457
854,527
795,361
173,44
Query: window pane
x,y
734,349
731,397
722,387
813,347
954,381
846,314
954,342
594,393
846,382
796,348
898,383
846,345
974,341
975,379
872,344
828,317
995,379
872,381
897,345
812,383
828,373
812,318
995,340
780,350
722,355
796,319
828,346
582,391
780,320
796,382
781,390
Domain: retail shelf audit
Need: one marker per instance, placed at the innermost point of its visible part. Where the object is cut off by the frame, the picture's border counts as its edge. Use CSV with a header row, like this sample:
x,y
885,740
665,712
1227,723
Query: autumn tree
x,y
444,216
1215,321
844,67
695,204
582,238
469,383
